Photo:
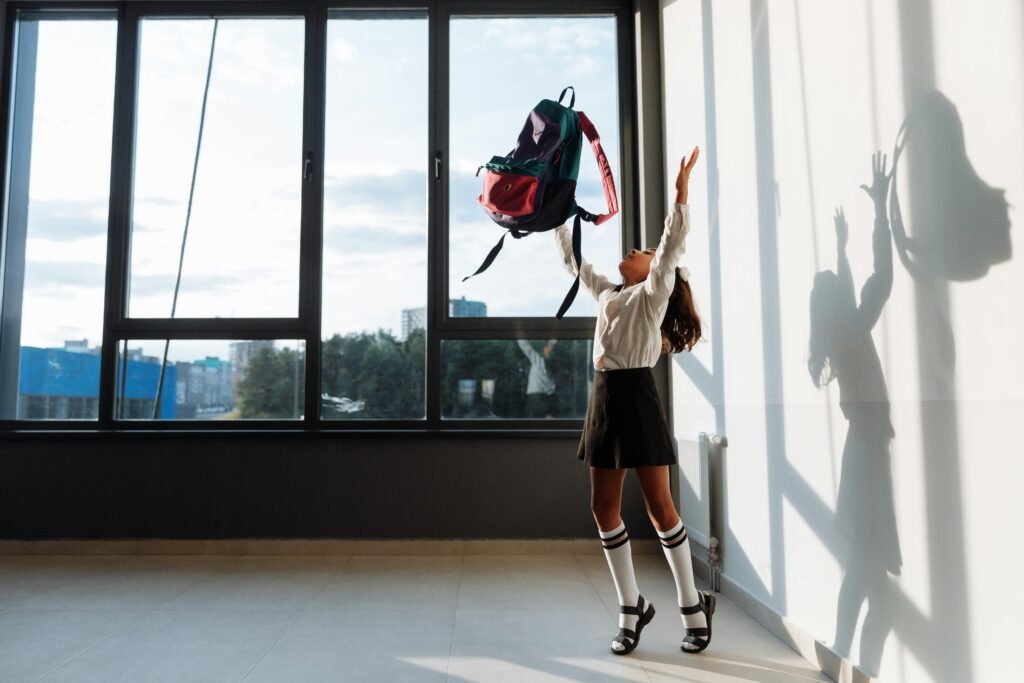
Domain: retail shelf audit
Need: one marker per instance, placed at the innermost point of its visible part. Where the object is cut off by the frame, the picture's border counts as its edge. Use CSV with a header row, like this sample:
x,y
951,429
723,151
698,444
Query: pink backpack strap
x,y
602,163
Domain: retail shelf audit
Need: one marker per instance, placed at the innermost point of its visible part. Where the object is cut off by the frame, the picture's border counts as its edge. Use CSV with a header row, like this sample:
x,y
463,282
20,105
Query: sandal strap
x,y
630,609
699,631
693,609
627,632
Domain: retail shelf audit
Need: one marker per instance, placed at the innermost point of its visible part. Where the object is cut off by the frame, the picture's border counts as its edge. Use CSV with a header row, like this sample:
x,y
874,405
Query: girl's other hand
x,y
683,179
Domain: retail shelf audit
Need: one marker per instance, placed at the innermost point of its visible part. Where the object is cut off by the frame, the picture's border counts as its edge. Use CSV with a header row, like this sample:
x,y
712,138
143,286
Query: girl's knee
x,y
663,513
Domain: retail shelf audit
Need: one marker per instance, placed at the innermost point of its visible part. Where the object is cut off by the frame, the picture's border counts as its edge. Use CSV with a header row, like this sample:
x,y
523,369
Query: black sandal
x,y
701,635
628,636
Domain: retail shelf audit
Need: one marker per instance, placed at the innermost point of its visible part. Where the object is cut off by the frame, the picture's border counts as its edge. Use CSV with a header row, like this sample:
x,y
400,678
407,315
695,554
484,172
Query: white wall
x,y
788,100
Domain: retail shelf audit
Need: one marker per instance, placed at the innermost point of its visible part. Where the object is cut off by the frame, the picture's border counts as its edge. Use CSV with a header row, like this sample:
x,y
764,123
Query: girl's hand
x,y
683,179
842,229
879,189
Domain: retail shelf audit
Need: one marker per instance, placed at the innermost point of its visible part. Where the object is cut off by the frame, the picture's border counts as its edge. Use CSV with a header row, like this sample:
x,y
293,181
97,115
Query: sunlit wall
x,y
877,511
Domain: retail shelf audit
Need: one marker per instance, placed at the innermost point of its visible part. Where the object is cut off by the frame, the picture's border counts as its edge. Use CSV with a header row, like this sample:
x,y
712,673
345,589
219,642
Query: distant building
x,y
413,319
64,384
416,318
240,353
461,308
204,387
80,346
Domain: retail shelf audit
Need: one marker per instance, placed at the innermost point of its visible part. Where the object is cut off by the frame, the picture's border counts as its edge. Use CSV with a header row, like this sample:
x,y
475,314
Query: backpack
x,y
533,187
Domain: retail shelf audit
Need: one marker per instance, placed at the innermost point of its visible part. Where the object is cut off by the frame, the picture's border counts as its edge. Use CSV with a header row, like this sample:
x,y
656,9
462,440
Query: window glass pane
x,y
375,217
236,254
55,226
535,378
210,379
500,69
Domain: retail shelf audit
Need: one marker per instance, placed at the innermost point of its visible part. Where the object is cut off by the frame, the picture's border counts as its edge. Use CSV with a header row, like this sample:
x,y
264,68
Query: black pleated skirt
x,y
625,424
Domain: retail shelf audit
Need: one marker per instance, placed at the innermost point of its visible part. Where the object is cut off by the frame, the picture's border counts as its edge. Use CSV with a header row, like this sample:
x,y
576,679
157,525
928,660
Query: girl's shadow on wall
x,y
960,232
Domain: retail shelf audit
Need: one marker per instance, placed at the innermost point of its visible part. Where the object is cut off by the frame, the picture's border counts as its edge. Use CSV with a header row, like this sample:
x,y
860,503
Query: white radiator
x,y
695,487
697,493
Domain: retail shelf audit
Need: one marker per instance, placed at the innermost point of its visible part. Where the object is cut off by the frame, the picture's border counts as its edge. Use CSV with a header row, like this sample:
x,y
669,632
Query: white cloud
x,y
513,33
582,67
345,52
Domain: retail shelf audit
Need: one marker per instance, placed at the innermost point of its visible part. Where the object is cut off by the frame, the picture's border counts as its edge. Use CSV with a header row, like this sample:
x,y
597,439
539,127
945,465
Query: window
x,y
373,356
196,194
210,379
55,214
216,204
521,378
500,68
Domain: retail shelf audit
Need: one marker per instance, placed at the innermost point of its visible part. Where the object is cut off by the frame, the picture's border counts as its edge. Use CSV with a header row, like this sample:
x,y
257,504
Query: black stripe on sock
x,y
612,538
622,542
669,539
673,545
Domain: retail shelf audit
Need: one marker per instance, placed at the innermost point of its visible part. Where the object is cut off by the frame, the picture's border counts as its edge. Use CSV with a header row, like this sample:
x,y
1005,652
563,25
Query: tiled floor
x,y
479,618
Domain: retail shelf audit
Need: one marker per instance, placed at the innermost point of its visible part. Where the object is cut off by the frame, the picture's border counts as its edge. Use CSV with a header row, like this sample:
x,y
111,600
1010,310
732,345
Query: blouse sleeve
x,y
594,282
660,282
528,351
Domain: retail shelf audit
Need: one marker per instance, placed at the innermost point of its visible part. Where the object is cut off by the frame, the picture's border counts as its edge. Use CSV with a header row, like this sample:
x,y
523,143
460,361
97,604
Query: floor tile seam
x,y
455,619
288,627
185,590
327,582
593,586
376,607
110,635
97,608
43,592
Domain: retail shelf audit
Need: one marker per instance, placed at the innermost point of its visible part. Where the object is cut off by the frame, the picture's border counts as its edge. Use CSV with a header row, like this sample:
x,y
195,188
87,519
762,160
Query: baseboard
x,y
828,661
315,546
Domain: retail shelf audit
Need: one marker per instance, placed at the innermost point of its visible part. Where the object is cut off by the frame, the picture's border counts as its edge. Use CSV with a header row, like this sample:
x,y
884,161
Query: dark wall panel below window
x,y
260,486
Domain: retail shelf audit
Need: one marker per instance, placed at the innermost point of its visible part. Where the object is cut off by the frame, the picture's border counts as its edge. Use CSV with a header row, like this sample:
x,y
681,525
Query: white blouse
x,y
628,331
539,380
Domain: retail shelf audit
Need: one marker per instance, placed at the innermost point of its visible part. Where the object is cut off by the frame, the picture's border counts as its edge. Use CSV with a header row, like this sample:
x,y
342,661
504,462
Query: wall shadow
x,y
959,229
842,349
963,229
955,228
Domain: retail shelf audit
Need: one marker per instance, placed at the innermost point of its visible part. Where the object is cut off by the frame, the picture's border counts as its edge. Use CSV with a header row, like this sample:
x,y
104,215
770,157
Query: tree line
x,y
374,375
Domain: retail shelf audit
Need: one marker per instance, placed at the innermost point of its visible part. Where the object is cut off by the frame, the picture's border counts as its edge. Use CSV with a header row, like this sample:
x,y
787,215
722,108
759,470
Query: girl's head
x,y
827,310
636,265
680,328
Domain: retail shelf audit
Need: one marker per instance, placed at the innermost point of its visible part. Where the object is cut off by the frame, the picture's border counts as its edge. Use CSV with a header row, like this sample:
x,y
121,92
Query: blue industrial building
x,y
57,383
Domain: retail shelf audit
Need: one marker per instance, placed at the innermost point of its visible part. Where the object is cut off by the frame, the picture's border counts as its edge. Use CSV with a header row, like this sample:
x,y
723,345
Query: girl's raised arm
x,y
661,280
594,282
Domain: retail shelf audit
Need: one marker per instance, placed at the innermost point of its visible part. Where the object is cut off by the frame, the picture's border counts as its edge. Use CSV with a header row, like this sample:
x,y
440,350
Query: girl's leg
x,y
674,541
606,504
606,496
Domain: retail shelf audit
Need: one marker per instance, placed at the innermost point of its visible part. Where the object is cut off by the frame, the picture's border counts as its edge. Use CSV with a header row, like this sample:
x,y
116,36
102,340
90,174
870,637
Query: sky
x,y
242,253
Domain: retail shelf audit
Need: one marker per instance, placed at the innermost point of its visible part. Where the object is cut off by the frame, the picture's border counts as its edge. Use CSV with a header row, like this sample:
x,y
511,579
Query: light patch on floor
x,y
389,618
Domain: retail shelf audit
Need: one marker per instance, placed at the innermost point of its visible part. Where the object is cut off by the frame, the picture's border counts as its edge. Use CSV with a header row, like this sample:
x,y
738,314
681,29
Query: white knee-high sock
x,y
620,561
676,546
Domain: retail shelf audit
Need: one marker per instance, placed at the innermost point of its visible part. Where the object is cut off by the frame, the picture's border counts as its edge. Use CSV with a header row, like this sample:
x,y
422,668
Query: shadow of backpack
x,y
533,187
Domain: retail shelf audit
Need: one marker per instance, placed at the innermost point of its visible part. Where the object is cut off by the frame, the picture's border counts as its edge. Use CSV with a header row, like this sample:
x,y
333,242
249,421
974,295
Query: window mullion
x,y
119,221
311,258
437,233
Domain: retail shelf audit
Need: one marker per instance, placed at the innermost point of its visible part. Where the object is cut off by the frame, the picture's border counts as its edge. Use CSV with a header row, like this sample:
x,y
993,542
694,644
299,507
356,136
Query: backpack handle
x,y
603,166
572,101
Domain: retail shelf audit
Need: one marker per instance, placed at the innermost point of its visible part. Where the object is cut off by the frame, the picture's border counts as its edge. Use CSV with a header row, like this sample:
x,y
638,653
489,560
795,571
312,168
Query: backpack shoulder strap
x,y
602,163
489,259
571,295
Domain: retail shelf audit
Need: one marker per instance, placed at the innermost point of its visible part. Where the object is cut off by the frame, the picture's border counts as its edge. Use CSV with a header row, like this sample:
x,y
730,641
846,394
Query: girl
x,y
650,313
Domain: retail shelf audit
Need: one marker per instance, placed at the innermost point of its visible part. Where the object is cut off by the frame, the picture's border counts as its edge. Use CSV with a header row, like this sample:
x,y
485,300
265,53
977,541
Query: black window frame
x,y
306,326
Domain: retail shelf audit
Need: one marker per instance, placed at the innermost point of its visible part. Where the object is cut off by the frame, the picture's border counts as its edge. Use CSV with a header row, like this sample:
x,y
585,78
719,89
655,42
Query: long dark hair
x,y
828,309
680,329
